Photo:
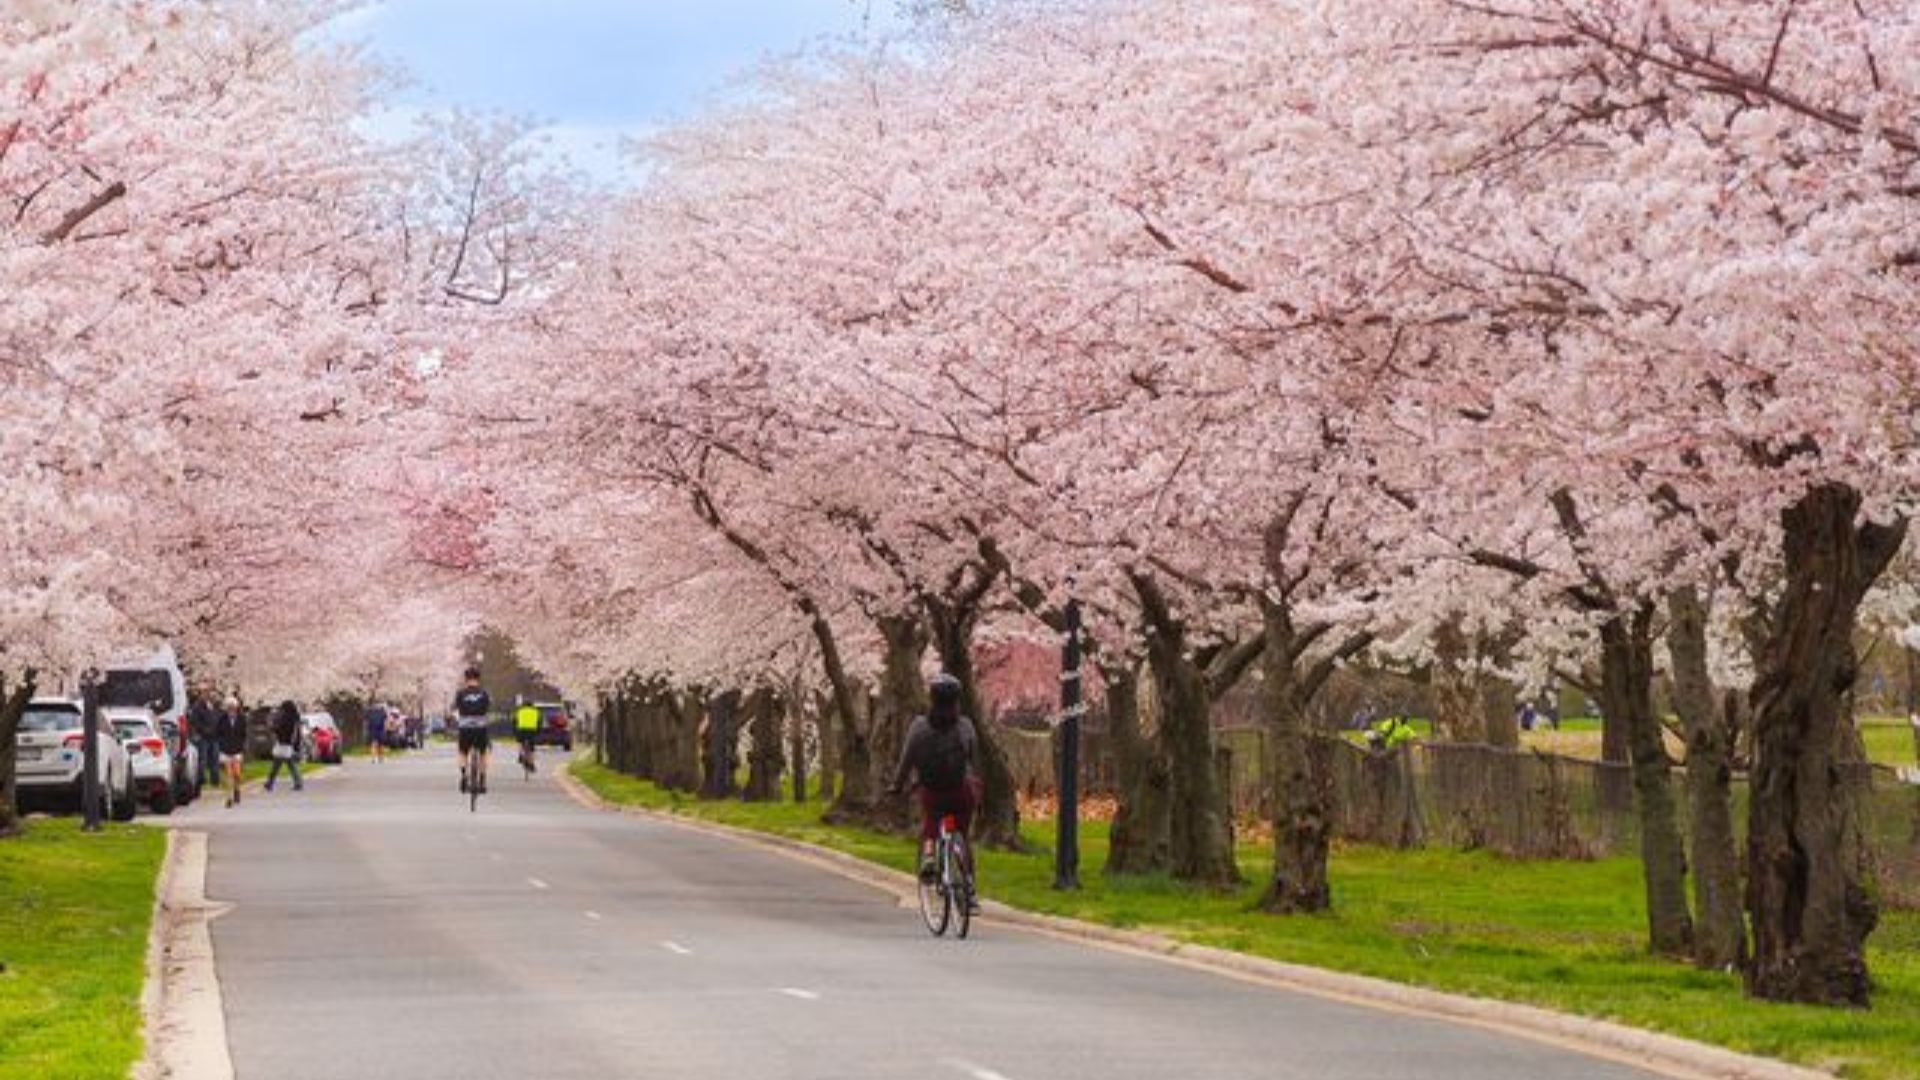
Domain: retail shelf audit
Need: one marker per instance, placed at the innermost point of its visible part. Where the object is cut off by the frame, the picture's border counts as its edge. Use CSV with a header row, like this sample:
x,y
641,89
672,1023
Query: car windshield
x,y
548,712
132,729
49,718
137,689
319,720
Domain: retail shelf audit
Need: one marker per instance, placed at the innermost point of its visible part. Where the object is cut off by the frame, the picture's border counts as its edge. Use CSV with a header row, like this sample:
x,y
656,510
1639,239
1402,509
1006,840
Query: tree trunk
x,y
721,759
796,718
1140,840
1720,934
767,761
826,725
1456,708
1499,700
900,696
1201,825
998,822
1626,672
1302,769
13,705
1810,905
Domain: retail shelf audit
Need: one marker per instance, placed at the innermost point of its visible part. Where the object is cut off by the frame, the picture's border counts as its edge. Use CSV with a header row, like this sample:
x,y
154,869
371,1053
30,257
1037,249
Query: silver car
x,y
48,759
151,756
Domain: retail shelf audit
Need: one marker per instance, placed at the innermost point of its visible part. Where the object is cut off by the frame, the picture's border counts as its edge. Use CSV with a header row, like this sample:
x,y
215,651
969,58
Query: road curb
x,y
184,1019
1668,1055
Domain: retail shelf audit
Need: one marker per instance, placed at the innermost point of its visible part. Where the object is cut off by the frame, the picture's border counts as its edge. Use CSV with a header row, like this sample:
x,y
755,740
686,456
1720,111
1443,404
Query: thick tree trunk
x,y
1456,706
13,705
1499,701
767,761
1720,933
1140,840
1200,829
1626,672
1807,898
998,822
796,720
1302,769
721,758
826,725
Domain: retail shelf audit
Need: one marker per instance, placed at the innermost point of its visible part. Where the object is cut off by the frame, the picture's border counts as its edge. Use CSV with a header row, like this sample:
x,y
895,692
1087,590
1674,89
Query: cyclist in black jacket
x,y
940,755
471,708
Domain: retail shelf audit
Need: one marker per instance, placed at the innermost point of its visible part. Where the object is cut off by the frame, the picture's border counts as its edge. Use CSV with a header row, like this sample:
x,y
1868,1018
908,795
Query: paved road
x,y
380,931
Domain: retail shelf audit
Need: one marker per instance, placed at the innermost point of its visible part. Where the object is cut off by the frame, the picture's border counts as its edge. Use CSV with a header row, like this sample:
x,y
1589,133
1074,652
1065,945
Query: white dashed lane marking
x,y
795,992
676,948
594,915
537,883
978,1072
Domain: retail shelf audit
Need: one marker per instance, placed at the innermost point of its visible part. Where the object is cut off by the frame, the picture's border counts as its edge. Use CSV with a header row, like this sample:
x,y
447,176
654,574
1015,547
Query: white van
x,y
151,683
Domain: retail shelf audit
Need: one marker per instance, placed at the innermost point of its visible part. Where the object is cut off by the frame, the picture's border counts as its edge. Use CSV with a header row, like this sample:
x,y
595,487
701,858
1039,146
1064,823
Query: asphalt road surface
x,y
380,930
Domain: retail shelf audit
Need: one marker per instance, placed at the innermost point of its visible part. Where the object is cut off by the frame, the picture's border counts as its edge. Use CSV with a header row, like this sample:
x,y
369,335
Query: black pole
x,y
1066,857
90,753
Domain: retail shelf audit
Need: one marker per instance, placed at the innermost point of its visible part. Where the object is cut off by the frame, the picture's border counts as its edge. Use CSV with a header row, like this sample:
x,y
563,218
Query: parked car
x,y
186,762
48,759
152,757
556,726
151,683
324,742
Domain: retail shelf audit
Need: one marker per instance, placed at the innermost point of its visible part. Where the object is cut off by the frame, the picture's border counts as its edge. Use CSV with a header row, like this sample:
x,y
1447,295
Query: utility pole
x,y
1066,851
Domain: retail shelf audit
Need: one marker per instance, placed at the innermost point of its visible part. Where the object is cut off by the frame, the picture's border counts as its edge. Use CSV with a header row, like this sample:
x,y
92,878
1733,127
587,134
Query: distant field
x,y
1889,740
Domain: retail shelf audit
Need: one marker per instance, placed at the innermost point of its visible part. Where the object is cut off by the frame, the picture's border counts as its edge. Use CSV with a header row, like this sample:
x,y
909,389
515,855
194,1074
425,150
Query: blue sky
x,y
594,70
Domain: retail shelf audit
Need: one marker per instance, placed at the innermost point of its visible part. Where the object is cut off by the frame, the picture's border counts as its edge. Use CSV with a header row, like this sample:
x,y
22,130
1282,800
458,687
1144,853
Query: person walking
x,y
203,720
377,731
286,744
230,734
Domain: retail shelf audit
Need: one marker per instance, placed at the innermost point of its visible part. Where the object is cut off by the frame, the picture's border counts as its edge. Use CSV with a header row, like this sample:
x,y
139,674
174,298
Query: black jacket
x,y
202,721
231,731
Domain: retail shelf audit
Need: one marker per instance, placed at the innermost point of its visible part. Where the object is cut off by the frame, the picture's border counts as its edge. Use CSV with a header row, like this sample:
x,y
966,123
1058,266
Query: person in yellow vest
x,y
526,724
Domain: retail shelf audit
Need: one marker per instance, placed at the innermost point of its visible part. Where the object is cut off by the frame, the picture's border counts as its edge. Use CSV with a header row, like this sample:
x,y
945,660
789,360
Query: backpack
x,y
943,766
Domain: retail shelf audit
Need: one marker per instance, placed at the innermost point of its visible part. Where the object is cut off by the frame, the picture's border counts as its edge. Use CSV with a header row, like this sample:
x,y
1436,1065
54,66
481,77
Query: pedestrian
x,y
286,744
230,732
203,720
377,731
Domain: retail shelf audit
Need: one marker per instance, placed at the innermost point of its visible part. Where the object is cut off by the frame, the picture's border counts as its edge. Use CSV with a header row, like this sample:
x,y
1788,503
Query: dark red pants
x,y
936,803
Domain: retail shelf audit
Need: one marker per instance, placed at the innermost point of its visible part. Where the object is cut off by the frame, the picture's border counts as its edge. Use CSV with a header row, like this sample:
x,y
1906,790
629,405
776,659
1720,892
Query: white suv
x,y
148,750
48,759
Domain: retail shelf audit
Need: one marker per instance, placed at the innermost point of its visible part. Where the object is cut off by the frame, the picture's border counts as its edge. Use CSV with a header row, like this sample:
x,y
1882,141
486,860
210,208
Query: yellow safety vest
x,y
527,718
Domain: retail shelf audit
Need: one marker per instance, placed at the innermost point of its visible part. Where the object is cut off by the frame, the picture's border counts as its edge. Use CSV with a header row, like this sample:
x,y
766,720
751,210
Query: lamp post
x,y
90,750
1066,850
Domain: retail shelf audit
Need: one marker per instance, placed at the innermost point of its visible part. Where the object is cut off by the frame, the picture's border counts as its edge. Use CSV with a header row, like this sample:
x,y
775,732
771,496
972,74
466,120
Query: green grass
x,y
1889,740
74,911
1564,935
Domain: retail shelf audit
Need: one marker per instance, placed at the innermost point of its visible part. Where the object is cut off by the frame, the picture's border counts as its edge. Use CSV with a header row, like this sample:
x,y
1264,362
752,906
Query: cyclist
x,y
471,707
526,724
940,755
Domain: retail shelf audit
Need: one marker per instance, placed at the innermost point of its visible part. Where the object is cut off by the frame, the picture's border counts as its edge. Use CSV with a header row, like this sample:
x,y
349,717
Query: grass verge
x,y
1564,935
74,913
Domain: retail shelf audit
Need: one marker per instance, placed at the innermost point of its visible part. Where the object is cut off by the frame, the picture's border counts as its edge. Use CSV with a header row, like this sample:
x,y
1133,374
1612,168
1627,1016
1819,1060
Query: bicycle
x,y
474,769
951,892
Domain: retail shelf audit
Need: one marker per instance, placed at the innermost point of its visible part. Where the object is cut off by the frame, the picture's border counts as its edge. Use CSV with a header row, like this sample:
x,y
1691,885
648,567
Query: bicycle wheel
x,y
960,888
473,788
936,902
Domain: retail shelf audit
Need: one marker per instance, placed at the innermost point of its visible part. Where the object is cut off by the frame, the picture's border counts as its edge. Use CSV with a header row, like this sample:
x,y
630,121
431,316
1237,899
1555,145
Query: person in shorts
x,y
230,731
377,731
471,707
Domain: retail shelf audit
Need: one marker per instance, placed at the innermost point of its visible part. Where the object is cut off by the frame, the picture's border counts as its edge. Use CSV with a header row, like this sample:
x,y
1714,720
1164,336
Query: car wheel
x,y
123,808
163,801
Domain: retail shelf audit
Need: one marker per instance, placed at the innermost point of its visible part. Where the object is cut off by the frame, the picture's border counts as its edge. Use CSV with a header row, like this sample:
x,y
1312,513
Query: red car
x,y
324,741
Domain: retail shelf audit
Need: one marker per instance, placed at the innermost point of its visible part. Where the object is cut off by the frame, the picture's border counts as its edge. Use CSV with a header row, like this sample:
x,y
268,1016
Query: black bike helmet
x,y
473,673
945,690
